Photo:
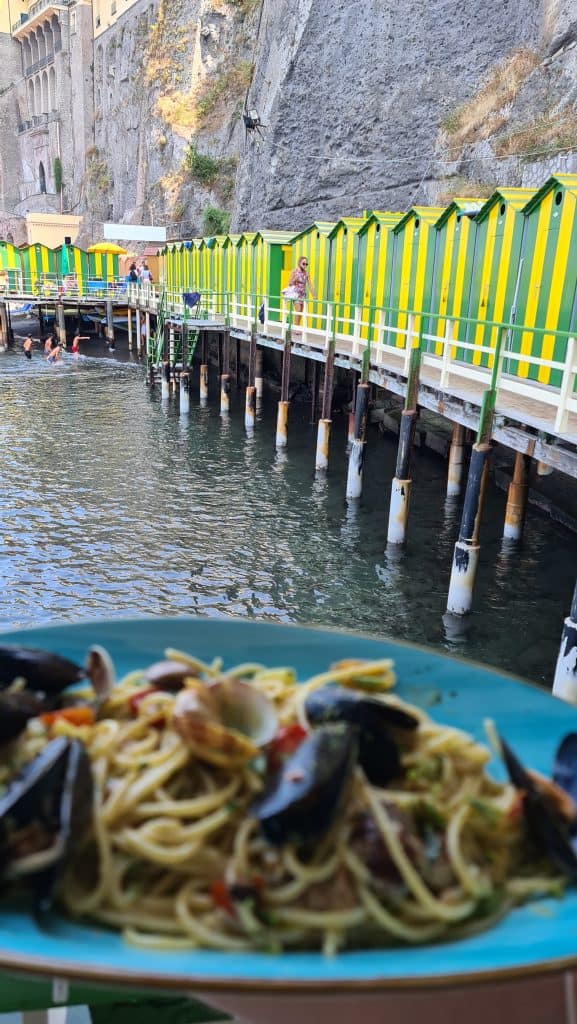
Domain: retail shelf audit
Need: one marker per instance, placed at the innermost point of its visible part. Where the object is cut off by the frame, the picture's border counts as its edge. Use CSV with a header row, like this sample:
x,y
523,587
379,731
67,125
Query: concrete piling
x,y
60,324
184,385
466,554
456,462
109,323
4,334
565,680
146,333
250,408
357,452
517,498
323,443
165,381
129,329
282,425
138,327
401,486
203,384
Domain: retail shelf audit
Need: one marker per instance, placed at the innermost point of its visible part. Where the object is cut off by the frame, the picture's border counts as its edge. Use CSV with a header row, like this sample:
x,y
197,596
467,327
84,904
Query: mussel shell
x,y
16,710
54,793
42,670
304,797
565,765
548,830
378,751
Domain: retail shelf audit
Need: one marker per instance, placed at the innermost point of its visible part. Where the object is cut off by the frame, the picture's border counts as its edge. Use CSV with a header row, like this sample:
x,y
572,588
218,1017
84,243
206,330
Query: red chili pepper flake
x,y
220,895
286,741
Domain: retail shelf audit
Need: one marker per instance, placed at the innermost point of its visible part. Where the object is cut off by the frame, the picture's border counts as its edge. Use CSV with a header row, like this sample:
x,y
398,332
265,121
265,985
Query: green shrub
x,y
215,221
58,174
202,166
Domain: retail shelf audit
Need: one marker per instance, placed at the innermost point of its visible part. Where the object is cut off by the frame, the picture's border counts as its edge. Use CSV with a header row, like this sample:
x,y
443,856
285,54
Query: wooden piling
x,y
456,461
138,330
129,329
146,333
165,381
184,385
517,495
325,422
283,405
237,363
401,485
258,377
314,385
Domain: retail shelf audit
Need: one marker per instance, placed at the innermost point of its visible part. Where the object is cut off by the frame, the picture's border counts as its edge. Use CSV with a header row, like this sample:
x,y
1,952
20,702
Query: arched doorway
x,y
42,177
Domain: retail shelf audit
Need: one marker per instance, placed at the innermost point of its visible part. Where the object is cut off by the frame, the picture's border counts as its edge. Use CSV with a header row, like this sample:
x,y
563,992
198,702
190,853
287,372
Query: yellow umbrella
x,y
110,247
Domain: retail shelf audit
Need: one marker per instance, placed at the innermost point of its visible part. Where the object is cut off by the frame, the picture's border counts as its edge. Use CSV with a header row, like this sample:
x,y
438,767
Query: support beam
x,y
3,326
565,681
165,381
357,453
224,393
237,364
456,462
129,329
258,377
401,486
250,408
184,385
60,325
314,385
283,405
517,498
109,324
203,384
325,422
466,555
146,333
138,330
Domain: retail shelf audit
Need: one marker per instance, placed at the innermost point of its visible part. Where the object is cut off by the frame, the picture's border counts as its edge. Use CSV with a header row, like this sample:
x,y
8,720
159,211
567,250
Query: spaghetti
x,y
176,856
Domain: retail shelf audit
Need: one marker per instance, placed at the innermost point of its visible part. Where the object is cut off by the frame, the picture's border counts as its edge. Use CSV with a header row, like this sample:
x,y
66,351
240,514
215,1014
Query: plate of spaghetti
x,y
189,802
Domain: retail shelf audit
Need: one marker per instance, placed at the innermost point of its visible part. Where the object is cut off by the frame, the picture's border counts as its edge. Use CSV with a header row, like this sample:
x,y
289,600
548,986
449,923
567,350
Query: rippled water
x,y
112,505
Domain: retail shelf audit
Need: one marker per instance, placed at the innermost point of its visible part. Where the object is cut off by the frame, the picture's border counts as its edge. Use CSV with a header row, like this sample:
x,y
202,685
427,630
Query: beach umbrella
x,y
107,247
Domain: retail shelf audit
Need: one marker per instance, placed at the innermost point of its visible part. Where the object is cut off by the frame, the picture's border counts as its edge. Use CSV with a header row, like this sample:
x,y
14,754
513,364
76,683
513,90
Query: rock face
x,y
367,104
354,94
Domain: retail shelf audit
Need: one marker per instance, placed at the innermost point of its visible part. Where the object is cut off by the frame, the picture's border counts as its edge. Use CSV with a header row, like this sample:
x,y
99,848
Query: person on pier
x,y
27,347
300,280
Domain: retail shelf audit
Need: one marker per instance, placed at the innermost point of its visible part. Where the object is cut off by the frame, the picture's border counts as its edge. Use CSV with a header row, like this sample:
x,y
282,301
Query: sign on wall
x,y
134,233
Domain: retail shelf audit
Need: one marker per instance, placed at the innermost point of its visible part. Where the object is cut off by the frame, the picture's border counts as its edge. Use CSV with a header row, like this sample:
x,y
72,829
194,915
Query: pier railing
x,y
458,354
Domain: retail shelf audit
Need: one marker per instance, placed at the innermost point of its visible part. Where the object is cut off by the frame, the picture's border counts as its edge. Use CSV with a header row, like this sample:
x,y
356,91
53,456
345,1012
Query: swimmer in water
x,y
27,346
55,354
49,344
76,343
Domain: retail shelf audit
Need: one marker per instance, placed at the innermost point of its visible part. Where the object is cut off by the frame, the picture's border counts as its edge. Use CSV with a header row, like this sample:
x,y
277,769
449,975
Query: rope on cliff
x,y
251,118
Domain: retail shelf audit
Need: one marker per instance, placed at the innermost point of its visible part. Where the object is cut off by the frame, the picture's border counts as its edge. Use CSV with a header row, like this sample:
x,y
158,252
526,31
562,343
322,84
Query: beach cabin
x,y
103,268
373,263
246,279
342,271
272,260
10,267
547,280
39,269
411,271
230,265
453,247
314,244
494,268
73,269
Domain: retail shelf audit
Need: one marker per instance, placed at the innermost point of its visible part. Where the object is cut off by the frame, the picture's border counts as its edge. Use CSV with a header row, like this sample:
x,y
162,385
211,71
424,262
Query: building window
x,y
42,177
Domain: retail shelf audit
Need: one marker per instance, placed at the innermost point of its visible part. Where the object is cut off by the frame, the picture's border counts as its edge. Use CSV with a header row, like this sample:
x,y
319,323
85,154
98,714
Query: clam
x,y
377,722
303,799
43,813
168,675
99,668
42,670
550,814
225,723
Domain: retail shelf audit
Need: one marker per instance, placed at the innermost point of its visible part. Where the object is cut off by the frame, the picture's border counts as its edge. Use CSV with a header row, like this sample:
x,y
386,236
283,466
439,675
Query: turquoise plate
x,y
540,936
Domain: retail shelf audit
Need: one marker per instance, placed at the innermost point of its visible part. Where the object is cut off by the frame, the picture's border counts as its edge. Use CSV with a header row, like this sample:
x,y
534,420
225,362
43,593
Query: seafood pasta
x,y
237,809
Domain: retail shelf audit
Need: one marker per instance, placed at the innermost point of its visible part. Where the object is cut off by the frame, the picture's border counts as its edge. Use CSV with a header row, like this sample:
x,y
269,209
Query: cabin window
x,y
558,198
417,222
502,209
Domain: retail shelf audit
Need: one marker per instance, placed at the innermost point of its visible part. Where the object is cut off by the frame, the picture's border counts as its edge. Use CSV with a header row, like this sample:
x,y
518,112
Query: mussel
x,y
42,670
550,812
376,721
226,722
304,797
168,675
43,813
